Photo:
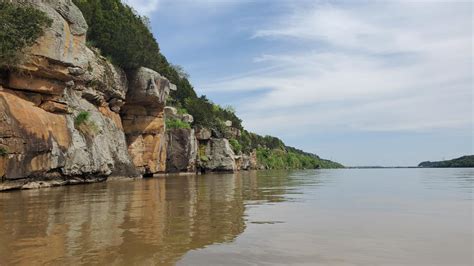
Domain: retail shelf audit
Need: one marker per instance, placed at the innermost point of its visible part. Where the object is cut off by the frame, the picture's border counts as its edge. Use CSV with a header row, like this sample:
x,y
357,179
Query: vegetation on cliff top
x,y
19,28
176,123
125,37
464,161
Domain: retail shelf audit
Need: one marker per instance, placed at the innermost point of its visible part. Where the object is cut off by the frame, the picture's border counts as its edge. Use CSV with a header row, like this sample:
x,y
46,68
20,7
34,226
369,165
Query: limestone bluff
x,y
126,136
68,116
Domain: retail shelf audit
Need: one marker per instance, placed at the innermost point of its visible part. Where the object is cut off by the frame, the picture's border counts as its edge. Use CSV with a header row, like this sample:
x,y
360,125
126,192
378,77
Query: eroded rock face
x,y
42,97
65,40
182,150
45,142
232,133
143,120
218,156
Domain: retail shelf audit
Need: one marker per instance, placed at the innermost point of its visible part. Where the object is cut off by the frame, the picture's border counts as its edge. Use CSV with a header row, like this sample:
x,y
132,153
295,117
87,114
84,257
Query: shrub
x,y
235,146
19,28
176,123
123,37
182,111
118,32
83,123
3,151
81,118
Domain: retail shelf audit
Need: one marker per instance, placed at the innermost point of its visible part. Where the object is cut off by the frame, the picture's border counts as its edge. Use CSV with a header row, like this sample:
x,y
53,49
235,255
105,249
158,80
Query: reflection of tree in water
x,y
147,221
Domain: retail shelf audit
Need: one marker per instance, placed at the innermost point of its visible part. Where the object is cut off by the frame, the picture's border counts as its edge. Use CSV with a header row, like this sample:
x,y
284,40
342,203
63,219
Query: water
x,y
312,217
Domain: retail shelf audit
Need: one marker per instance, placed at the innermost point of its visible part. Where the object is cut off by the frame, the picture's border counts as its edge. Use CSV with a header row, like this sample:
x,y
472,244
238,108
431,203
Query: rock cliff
x,y
67,115
143,120
41,99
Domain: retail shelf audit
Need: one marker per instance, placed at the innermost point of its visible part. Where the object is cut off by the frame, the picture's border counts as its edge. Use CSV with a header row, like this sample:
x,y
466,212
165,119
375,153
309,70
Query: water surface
x,y
311,217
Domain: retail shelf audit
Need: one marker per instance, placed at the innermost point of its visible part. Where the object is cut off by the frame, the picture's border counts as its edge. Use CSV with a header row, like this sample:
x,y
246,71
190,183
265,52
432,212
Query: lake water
x,y
311,217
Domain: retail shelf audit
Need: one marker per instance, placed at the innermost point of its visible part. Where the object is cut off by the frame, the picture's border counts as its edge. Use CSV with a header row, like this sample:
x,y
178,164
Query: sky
x,y
359,82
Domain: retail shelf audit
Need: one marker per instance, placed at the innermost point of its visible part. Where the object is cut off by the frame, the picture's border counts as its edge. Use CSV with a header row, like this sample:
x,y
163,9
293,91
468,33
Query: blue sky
x,y
362,83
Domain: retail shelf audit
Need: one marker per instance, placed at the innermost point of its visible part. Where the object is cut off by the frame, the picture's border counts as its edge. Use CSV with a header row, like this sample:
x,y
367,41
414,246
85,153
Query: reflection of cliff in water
x,y
154,220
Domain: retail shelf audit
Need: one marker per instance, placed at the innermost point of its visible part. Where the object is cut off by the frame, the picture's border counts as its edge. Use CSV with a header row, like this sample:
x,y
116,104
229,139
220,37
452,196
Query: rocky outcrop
x,y
143,120
217,156
41,99
172,113
232,133
182,150
203,134
67,115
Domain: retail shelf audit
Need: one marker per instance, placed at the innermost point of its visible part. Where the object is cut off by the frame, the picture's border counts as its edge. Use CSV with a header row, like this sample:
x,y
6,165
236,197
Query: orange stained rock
x,y
36,121
105,110
35,84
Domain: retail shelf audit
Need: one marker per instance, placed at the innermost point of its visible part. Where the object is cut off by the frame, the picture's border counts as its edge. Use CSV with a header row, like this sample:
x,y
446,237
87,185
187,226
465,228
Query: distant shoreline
x,y
397,167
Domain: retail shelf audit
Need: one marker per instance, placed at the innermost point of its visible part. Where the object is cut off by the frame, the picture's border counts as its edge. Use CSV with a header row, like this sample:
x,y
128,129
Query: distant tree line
x,y
464,161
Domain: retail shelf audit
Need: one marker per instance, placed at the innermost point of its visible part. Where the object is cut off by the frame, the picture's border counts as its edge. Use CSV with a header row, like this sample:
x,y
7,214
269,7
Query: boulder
x,y
171,112
203,133
232,133
181,151
148,88
219,156
228,123
187,118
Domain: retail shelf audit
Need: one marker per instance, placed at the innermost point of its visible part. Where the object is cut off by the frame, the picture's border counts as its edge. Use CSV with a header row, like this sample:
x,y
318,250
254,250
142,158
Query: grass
x,y
176,123
83,123
81,118
235,146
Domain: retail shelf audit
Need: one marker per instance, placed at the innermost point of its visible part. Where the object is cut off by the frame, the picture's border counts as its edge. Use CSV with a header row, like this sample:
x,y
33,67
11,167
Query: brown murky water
x,y
314,217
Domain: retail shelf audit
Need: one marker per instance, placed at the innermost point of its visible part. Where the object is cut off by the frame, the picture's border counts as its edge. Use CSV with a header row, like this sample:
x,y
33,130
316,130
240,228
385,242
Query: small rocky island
x,y
70,114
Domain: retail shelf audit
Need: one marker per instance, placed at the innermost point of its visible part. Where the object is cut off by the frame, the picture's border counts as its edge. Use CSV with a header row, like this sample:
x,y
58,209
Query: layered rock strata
x,y
67,116
41,99
143,120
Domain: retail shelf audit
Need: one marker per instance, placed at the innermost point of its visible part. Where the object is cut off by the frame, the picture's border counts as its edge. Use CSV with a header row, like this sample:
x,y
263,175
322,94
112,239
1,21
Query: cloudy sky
x,y
362,83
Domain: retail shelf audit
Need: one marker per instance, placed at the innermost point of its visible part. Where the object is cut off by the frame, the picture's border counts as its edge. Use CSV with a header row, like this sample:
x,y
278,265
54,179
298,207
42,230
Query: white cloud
x,y
391,66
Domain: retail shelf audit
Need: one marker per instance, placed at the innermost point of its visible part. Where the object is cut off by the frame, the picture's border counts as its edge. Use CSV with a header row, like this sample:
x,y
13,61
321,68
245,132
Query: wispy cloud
x,y
392,66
